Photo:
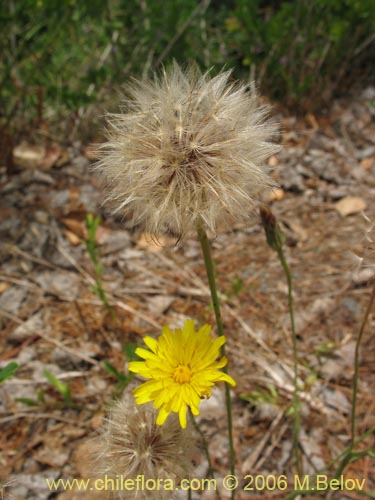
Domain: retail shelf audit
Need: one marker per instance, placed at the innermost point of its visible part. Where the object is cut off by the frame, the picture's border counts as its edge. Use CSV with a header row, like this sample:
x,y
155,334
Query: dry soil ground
x,y
51,319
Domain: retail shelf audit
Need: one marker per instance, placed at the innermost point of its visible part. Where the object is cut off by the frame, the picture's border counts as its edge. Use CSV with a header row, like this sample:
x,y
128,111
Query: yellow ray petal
x,y
151,343
163,414
141,368
145,354
147,391
182,416
216,376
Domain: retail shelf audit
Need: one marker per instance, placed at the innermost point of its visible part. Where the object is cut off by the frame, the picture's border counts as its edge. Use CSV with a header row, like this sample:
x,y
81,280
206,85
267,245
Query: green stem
x,y
347,458
343,455
202,235
347,451
296,403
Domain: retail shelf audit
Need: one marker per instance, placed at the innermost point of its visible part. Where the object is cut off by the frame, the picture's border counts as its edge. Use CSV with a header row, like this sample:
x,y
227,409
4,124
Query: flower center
x,y
182,374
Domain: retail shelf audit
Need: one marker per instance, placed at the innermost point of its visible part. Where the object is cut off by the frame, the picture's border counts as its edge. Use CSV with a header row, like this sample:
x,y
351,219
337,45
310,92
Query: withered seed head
x,y
131,445
187,149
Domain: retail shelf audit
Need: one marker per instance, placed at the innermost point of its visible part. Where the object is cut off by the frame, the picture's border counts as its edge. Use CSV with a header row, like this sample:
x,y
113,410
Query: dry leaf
x,y
350,205
147,242
72,238
368,163
63,159
311,120
37,156
90,152
51,156
273,161
277,195
4,286
52,455
28,156
76,226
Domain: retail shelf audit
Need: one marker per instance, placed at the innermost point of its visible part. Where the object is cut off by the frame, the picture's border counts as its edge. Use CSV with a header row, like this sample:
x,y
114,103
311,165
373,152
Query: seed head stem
x,y
275,239
202,235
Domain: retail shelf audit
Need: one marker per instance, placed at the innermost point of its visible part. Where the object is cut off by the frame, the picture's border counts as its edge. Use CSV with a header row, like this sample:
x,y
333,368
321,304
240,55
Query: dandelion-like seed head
x,y
182,368
188,149
132,445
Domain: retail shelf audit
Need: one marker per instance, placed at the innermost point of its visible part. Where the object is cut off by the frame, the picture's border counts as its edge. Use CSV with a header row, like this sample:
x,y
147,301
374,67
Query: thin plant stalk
x,y
202,235
296,403
92,225
349,454
353,457
342,455
275,239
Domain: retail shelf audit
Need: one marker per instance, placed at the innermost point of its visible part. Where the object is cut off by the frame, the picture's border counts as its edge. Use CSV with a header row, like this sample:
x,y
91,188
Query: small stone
x,y
12,299
64,285
351,305
114,241
31,326
363,276
158,304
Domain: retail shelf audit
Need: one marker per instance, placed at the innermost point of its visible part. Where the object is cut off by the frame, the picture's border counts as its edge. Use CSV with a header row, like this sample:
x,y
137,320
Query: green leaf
x,y
123,379
8,371
60,386
129,351
41,397
27,401
111,370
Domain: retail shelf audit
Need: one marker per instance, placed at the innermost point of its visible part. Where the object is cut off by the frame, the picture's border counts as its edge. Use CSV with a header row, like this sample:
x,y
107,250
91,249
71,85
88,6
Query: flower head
x,y
132,445
187,150
182,369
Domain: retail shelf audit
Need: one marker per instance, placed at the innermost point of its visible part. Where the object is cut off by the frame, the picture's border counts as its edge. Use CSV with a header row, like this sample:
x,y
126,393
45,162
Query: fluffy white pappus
x,y
132,446
186,150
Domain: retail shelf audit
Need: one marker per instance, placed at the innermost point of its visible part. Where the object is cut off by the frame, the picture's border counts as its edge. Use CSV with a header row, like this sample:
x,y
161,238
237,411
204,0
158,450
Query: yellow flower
x,y
182,369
